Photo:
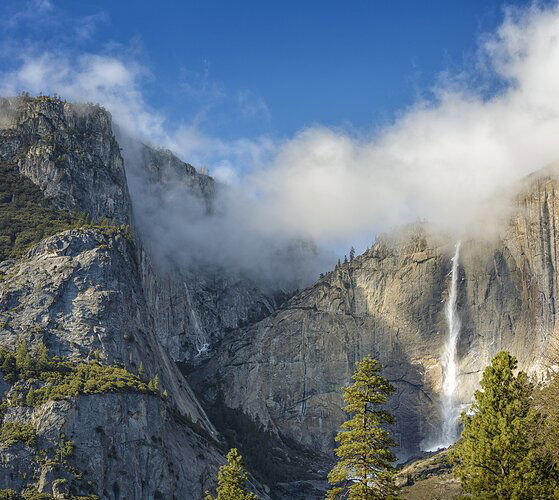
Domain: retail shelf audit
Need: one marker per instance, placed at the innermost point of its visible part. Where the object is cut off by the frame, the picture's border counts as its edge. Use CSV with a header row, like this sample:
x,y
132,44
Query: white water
x,y
450,408
200,338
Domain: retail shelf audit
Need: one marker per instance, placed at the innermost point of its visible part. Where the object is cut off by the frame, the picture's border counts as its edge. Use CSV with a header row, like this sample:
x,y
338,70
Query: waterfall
x,y
450,408
200,343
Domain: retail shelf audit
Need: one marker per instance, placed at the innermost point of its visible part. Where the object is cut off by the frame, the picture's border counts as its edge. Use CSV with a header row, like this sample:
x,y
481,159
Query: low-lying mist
x,y
194,221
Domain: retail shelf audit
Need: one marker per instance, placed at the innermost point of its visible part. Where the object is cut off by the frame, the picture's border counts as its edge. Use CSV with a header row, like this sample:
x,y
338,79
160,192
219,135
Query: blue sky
x,y
244,68
332,120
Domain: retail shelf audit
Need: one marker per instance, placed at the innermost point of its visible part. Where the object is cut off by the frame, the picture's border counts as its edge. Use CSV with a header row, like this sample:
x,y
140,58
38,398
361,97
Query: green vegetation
x,y
365,470
232,479
65,449
38,378
25,218
547,402
55,379
501,453
13,432
32,494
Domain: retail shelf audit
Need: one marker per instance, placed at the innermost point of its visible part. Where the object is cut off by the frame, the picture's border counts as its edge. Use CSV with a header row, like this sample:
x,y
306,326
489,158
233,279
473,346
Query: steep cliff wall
x,y
288,369
193,302
80,293
69,151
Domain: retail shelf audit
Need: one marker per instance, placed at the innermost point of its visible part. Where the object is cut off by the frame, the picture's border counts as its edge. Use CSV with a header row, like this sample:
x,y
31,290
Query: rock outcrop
x,y
69,151
79,293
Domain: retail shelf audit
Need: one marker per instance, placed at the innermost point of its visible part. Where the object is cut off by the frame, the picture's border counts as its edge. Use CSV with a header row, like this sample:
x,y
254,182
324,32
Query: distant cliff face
x,y
193,305
288,369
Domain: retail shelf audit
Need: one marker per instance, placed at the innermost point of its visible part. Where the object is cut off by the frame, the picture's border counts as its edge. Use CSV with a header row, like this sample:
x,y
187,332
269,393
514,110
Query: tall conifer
x,y
364,470
500,453
232,479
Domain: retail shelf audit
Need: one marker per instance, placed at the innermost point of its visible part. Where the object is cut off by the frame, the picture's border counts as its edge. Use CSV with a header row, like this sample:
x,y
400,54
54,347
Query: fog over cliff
x,y
443,159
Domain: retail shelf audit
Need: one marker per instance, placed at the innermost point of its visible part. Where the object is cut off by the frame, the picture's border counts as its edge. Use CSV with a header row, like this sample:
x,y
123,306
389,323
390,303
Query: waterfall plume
x,y
450,408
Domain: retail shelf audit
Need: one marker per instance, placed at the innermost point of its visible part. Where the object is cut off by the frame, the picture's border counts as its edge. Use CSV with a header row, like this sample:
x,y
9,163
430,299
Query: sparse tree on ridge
x,y
42,358
232,479
351,254
501,452
364,470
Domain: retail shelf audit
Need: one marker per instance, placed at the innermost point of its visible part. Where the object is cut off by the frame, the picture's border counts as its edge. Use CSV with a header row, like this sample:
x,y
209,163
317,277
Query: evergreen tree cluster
x,y
503,453
56,378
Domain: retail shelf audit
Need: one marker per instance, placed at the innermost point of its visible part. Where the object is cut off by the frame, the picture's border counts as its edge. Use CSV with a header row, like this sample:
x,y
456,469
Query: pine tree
x,y
364,470
547,401
9,370
351,254
500,453
232,479
42,358
23,359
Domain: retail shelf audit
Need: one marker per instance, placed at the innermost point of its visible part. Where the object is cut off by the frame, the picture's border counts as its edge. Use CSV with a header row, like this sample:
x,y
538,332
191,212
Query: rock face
x,y
288,369
193,305
69,151
124,446
268,373
79,293
84,294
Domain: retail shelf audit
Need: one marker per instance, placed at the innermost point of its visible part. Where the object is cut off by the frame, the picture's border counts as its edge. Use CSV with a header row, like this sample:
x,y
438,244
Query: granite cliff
x,y
89,294
229,363
287,369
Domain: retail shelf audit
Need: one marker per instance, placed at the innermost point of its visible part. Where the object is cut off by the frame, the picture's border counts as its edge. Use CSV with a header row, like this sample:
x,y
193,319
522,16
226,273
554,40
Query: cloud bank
x,y
441,160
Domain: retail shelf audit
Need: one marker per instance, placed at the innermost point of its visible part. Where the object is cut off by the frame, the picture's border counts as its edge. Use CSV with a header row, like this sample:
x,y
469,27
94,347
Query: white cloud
x,y
252,106
86,26
440,160
27,12
102,79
